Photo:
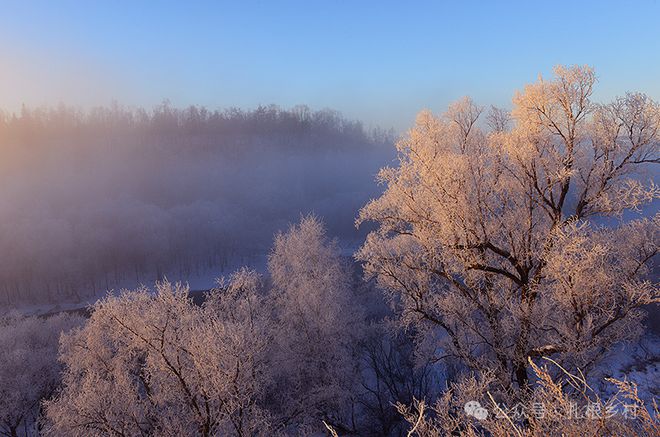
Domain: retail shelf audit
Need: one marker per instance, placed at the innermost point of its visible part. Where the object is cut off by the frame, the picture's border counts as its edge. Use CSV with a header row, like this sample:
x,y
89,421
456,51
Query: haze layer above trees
x,y
114,197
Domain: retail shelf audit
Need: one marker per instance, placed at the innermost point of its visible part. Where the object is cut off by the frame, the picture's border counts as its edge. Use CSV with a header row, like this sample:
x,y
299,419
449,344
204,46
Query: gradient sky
x,y
378,61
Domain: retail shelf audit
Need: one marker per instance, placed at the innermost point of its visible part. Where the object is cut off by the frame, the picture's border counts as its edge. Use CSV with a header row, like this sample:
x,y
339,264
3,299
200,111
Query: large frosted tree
x,y
156,364
318,327
505,243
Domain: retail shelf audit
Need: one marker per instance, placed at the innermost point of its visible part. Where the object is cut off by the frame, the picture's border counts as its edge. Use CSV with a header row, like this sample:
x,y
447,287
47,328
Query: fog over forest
x,y
113,197
503,277
329,219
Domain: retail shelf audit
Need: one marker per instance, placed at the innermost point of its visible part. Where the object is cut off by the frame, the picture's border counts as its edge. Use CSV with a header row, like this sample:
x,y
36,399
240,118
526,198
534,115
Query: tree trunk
x,y
521,375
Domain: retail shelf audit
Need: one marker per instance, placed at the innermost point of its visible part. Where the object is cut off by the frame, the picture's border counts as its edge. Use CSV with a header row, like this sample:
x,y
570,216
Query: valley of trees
x,y
506,256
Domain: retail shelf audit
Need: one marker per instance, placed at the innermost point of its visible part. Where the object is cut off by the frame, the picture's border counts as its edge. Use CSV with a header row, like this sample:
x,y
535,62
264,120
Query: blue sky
x,y
378,61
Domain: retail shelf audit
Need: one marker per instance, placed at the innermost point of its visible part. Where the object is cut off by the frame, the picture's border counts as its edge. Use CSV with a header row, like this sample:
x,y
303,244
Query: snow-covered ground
x,y
637,362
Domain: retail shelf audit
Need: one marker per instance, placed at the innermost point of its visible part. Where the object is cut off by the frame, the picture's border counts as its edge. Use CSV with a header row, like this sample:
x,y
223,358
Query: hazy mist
x,y
109,197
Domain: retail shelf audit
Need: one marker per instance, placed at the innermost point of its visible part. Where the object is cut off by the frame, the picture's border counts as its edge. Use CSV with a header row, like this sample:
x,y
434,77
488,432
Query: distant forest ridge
x,y
165,119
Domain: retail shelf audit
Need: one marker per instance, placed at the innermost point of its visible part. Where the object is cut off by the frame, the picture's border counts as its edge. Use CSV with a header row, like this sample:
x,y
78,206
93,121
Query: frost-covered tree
x,y
156,364
29,370
493,244
246,362
318,329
